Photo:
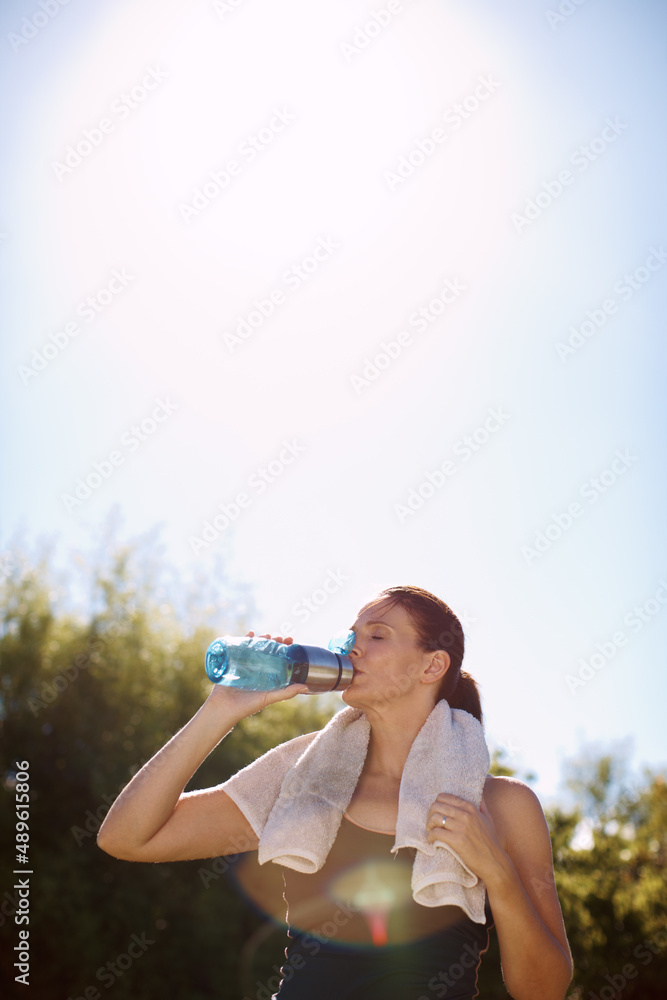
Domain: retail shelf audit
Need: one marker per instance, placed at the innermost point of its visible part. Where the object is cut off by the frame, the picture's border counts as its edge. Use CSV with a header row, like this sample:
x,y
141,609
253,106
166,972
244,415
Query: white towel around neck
x,y
294,797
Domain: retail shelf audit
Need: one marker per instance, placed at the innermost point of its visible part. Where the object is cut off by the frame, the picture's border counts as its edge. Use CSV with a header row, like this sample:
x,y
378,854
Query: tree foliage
x,y
87,696
610,854
87,699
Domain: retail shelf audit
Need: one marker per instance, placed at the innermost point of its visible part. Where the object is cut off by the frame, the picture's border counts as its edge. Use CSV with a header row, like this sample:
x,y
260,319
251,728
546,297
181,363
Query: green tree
x,y
86,697
90,691
610,870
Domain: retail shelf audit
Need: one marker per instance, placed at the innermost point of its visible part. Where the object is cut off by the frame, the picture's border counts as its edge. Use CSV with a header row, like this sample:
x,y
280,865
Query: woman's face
x,y
387,657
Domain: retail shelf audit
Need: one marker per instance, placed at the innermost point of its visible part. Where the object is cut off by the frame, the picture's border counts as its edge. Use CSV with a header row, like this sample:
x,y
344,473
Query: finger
x,y
284,694
448,804
439,809
435,821
453,804
447,798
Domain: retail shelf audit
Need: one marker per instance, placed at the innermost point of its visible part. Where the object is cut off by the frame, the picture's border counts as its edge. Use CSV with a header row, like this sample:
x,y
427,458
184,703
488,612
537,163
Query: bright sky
x,y
380,287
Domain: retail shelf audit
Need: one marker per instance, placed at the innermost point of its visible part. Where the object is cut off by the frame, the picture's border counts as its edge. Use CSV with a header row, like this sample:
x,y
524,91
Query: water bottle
x,y
266,665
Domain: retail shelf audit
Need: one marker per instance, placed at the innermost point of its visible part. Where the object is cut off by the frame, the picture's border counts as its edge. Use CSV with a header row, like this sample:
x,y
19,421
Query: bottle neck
x,y
325,670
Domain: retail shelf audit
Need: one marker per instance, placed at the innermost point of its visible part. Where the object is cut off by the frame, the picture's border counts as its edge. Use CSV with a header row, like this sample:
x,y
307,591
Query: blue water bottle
x,y
266,665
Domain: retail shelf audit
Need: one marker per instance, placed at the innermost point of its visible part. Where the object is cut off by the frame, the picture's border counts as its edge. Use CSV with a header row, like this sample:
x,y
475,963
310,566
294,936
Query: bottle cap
x,y
343,642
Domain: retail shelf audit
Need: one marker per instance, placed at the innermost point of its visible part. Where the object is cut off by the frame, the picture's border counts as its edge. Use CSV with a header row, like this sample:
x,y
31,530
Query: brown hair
x,y
439,628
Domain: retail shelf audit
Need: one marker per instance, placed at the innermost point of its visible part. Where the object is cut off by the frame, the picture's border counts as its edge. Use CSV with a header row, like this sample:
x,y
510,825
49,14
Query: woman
x,y
407,658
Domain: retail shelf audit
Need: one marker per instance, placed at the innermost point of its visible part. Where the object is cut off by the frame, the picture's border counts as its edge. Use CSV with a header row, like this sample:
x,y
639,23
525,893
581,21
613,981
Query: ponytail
x,y
465,695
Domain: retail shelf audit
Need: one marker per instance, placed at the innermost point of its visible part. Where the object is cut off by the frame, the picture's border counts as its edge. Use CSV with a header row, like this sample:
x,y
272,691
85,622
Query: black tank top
x,y
356,933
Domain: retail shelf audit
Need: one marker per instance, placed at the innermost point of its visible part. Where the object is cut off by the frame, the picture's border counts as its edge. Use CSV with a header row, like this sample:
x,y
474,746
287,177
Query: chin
x,y
348,696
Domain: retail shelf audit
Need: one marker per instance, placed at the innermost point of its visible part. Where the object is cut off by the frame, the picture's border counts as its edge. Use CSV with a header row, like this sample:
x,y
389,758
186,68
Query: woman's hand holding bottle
x,y
152,819
248,703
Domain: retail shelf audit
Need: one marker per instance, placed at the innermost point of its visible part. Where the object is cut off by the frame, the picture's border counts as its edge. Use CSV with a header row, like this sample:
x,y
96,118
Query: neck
x,y
392,734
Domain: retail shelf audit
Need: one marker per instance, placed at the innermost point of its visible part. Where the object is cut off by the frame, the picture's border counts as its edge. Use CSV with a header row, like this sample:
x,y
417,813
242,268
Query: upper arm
x,y
204,824
523,830
208,822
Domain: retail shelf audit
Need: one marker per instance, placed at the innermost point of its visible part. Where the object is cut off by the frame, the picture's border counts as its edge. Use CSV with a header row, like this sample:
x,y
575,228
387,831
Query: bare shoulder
x,y
508,792
514,807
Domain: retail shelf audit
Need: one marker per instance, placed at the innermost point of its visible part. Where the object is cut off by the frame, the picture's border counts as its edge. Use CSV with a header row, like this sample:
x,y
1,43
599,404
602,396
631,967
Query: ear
x,y
437,668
